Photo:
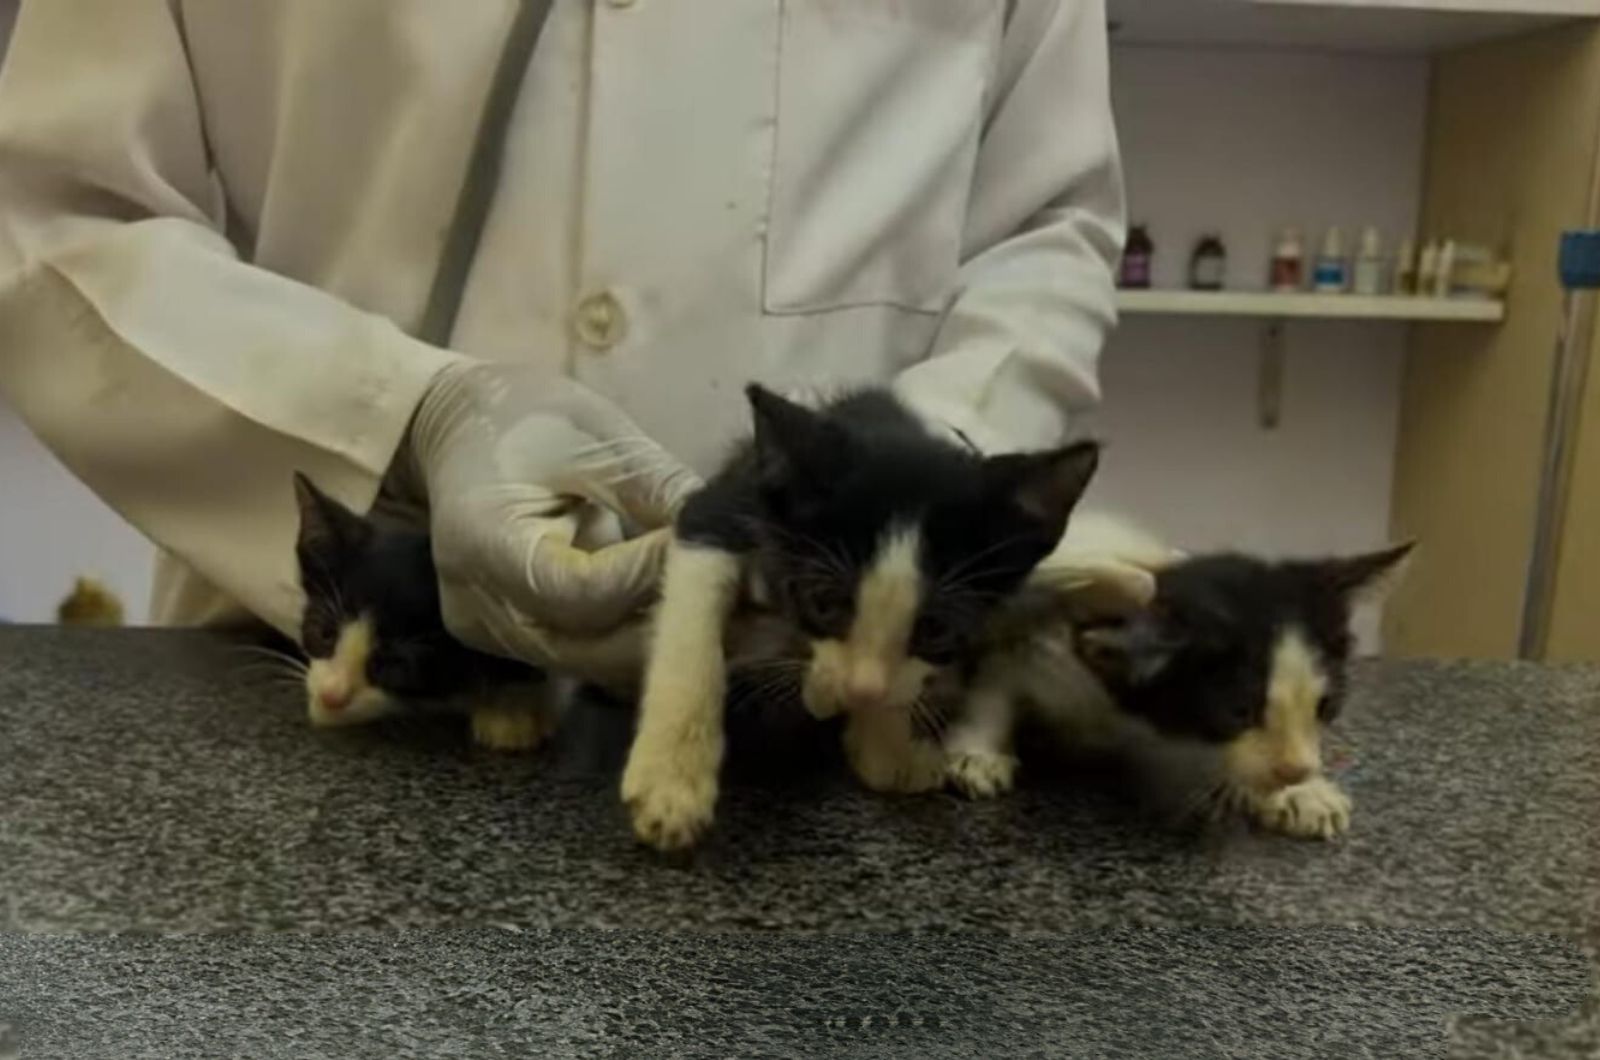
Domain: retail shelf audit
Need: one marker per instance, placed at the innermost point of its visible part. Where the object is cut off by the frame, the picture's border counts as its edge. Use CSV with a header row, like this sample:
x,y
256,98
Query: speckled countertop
x,y
394,892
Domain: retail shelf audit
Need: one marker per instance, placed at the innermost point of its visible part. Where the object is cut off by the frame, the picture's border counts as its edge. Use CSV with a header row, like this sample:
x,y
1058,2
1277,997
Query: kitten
x,y
1235,657
376,640
885,546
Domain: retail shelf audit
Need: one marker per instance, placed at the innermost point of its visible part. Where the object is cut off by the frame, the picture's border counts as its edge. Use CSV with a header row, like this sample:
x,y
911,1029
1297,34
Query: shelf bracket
x,y
1269,376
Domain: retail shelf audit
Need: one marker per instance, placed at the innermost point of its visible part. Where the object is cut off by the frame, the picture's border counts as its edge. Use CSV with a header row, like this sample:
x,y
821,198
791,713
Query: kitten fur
x,y
376,641
885,546
91,603
1237,658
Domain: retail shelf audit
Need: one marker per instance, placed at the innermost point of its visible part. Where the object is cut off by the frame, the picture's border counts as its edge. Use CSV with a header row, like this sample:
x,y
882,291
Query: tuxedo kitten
x,y
1237,658
376,641
885,546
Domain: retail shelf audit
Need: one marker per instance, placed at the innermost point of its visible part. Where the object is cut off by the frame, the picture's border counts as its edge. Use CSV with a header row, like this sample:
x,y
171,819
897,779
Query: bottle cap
x,y
1371,243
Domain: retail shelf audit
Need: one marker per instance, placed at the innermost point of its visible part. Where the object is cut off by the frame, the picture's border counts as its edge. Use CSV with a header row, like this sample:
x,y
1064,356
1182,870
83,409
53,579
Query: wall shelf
x,y
1270,306
1405,27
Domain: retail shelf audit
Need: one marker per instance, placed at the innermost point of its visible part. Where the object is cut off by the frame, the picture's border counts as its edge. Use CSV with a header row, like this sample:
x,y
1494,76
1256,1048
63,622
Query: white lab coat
x,y
219,221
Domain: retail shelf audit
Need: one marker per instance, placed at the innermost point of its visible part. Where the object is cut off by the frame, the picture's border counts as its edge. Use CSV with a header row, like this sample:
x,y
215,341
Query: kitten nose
x,y
334,696
867,686
1287,774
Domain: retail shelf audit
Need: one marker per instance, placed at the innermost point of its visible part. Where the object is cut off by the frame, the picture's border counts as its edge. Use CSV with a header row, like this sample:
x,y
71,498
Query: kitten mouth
x,y
361,708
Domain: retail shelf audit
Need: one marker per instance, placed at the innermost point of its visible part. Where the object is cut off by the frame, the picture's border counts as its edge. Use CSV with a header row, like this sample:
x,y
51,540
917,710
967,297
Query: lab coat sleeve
x,y
1016,354
180,384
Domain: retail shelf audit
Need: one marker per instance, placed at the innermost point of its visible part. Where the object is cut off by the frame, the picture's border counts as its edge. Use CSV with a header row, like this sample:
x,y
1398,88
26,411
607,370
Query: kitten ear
x,y
1045,486
792,442
1366,578
324,522
1135,652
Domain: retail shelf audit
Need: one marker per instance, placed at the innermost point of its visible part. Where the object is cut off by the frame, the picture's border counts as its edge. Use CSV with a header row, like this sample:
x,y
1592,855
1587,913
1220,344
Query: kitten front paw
x,y
504,729
1316,809
893,766
671,797
981,774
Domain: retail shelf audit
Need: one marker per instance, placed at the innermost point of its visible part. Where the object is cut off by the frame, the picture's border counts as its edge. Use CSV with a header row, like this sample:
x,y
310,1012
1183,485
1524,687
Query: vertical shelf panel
x,y
1511,154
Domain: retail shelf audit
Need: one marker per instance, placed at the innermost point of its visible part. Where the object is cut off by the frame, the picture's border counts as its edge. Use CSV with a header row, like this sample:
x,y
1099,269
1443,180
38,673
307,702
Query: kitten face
x,y
1242,654
889,548
371,625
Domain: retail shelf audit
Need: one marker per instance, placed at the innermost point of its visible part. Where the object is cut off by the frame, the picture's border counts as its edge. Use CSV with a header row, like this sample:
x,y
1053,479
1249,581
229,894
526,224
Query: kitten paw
x,y
981,774
500,729
1316,809
895,767
671,800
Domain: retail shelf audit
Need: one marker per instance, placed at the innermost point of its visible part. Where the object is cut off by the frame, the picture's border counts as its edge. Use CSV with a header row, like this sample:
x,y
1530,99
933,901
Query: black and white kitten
x,y
888,548
376,642
1236,657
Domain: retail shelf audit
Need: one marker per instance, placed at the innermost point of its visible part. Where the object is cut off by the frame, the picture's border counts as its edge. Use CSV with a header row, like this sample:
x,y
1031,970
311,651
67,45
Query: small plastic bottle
x,y
1445,270
1405,268
1369,273
1331,276
1288,272
1137,256
1428,268
1208,266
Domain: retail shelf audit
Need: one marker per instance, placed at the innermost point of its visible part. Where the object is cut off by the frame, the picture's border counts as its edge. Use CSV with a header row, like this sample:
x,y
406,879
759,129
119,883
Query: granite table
x,y
188,870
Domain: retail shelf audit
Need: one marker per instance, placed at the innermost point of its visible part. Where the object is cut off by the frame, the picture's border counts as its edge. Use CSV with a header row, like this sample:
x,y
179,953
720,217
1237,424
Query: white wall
x,y
1244,142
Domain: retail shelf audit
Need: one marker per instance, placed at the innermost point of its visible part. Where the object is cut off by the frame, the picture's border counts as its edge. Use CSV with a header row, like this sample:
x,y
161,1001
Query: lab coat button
x,y
600,322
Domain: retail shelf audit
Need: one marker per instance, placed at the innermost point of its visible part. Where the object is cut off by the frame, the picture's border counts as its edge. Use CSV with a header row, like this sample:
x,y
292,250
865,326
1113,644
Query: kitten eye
x,y
824,607
934,637
392,673
319,632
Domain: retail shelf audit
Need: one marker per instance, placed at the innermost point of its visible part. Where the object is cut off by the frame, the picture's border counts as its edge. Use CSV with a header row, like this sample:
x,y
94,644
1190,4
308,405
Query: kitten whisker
x,y
818,553
929,717
957,572
1209,802
784,665
274,655
766,687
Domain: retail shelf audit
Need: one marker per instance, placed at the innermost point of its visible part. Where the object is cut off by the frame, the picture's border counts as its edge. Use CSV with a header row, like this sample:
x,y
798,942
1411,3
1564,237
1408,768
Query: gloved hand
x,y
521,470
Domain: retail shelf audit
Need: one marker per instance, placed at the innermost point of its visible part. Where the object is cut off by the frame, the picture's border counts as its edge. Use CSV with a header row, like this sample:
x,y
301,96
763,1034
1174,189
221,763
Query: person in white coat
x,y
223,229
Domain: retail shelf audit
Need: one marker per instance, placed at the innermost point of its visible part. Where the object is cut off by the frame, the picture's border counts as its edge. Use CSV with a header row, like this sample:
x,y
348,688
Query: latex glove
x,y
518,466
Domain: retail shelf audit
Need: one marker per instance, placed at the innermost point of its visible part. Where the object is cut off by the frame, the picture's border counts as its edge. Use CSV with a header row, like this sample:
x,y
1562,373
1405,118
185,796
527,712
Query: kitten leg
x,y
977,749
884,751
670,783
1314,809
515,717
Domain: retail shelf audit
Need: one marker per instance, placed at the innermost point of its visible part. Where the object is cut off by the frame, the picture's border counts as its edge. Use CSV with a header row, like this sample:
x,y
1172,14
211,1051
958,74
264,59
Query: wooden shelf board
x,y
1270,305
1402,27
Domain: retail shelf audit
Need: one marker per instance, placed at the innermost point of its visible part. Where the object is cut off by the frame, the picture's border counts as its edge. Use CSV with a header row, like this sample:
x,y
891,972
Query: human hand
x,y
519,467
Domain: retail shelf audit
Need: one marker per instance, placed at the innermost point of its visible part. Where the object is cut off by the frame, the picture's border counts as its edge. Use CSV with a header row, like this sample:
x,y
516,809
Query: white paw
x,y
1316,809
500,729
897,767
671,797
981,774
